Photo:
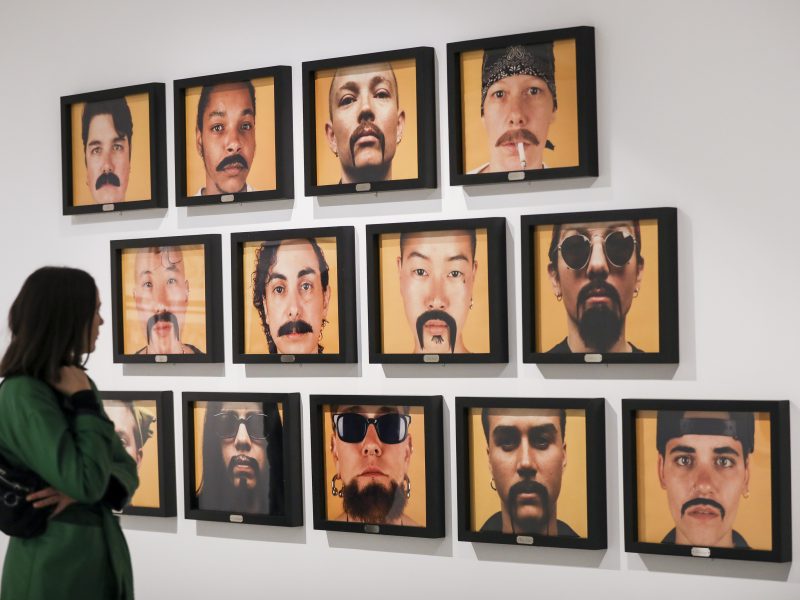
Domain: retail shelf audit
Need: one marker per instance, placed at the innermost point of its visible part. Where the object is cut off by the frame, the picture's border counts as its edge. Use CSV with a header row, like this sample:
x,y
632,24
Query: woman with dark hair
x,y
52,423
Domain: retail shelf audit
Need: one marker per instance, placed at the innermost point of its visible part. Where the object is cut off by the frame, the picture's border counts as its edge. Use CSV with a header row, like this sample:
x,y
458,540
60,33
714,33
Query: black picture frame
x,y
434,464
292,459
167,506
780,477
284,162
595,471
426,122
497,290
586,103
157,143
345,286
667,287
212,245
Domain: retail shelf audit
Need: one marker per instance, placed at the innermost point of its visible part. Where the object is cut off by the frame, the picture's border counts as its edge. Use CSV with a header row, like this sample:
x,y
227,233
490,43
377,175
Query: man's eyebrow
x,y
216,113
280,276
94,143
414,253
458,257
119,138
306,271
379,79
248,111
686,449
726,450
543,429
504,429
352,409
350,86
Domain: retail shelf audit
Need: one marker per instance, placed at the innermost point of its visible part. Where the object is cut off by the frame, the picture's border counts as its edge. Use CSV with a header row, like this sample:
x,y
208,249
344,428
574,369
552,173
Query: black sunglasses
x,y
576,250
226,425
392,428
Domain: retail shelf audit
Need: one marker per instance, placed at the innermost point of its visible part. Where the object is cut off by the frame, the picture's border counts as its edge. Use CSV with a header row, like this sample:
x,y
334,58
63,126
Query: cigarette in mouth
x,y
521,150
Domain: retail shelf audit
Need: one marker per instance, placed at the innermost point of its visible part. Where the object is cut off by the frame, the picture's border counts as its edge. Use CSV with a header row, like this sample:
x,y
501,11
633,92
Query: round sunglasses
x,y
226,425
576,250
392,428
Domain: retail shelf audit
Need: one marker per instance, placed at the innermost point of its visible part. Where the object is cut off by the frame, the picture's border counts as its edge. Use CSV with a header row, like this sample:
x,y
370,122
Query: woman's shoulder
x,y
24,389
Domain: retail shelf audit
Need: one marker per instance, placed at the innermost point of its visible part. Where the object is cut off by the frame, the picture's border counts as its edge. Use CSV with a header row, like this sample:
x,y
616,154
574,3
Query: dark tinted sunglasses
x,y
226,425
392,428
577,249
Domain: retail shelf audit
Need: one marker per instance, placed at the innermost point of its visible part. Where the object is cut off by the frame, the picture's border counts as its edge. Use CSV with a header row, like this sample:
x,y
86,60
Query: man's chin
x,y
108,197
232,186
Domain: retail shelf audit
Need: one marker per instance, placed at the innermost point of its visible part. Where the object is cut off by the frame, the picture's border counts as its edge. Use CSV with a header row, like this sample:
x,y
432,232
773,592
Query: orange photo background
x,y
262,176
572,501
404,165
139,180
255,341
564,130
397,336
754,519
416,506
550,316
134,335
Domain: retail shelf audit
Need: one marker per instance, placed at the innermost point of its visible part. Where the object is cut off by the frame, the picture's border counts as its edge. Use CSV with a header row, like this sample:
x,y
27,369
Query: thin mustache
x,y
517,135
233,159
703,502
107,179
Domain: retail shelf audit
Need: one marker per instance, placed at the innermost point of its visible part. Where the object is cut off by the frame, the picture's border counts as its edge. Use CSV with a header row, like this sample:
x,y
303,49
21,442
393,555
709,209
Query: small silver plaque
x,y
430,358
227,198
287,357
363,187
372,528
516,176
701,552
236,519
593,358
161,358
108,207
525,539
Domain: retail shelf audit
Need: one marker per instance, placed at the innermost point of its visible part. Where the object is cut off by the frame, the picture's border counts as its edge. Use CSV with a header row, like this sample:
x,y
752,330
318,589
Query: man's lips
x,y
234,168
529,498
703,512
435,326
162,328
372,472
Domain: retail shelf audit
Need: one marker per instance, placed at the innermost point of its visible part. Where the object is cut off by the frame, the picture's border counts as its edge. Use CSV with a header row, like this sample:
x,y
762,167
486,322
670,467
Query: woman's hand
x,y
71,380
49,497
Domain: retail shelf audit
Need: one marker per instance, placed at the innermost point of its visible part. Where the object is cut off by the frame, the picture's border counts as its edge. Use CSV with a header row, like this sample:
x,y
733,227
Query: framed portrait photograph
x,y
233,137
113,150
532,471
377,464
522,107
437,291
707,478
294,296
600,287
167,299
144,423
242,458
370,122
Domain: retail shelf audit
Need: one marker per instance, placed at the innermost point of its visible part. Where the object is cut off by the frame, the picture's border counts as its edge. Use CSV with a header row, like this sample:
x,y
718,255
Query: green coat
x,y
82,554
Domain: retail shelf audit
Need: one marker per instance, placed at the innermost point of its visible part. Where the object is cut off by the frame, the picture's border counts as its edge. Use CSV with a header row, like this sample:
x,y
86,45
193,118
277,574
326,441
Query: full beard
x,y
374,503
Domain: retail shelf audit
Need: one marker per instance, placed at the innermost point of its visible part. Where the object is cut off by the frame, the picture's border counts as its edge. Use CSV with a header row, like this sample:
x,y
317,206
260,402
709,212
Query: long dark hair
x,y
50,322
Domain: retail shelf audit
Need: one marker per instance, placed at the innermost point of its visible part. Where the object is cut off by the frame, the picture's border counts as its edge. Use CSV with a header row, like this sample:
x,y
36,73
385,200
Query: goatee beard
x,y
600,328
374,503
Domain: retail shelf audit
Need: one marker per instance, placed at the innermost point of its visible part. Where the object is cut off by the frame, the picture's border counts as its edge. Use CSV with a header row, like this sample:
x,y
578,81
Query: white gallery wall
x,y
698,108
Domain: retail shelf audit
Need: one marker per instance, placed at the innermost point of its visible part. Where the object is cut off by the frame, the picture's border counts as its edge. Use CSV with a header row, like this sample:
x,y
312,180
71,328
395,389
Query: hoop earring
x,y
408,486
559,296
471,302
746,494
334,492
636,293
492,485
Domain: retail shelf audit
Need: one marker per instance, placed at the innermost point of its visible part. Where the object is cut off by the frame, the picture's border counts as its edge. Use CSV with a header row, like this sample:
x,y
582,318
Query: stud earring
x,y
559,296
636,293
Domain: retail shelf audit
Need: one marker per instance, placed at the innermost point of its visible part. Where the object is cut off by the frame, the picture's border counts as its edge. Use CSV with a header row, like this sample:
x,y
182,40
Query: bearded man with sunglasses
x,y
371,448
242,458
596,270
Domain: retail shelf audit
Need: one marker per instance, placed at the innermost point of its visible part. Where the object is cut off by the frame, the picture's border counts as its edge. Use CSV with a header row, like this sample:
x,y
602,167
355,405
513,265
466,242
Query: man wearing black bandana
x,y
161,294
437,274
107,129
366,121
225,136
527,454
518,104
704,466
596,270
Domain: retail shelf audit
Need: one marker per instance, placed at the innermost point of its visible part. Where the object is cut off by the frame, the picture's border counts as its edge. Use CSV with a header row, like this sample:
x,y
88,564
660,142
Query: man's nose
x,y
107,166
242,440
516,112
371,446
704,481
526,460
233,141
598,264
437,296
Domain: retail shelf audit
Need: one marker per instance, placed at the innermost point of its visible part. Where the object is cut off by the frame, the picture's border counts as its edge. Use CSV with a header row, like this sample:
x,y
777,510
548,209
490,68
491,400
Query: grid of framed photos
x,y
242,458
144,423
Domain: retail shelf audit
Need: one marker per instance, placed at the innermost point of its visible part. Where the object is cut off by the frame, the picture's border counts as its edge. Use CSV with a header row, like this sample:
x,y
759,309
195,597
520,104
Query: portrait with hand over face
x,y
113,149
706,474
368,120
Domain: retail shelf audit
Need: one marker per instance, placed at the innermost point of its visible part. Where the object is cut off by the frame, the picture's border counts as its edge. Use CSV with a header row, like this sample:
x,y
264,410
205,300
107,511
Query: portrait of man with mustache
x,y
365,121
291,292
161,295
527,453
371,448
242,458
437,275
704,467
596,270
107,129
225,136
518,105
